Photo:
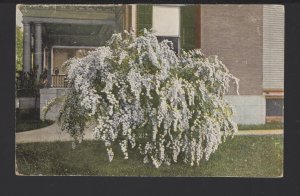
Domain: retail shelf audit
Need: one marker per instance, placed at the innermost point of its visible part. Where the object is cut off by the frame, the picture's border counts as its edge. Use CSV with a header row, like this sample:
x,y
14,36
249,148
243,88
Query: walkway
x,y
261,132
48,134
53,133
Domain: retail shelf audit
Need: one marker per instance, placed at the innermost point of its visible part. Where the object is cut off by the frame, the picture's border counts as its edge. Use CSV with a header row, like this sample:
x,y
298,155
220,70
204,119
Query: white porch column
x,y
38,49
26,47
49,76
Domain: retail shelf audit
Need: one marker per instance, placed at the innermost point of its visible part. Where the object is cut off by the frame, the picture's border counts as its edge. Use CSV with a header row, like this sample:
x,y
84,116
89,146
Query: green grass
x,y
256,156
29,119
27,125
266,126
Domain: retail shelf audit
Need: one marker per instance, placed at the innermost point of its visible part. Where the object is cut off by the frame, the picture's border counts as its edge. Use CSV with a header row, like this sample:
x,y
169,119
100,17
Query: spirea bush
x,y
141,94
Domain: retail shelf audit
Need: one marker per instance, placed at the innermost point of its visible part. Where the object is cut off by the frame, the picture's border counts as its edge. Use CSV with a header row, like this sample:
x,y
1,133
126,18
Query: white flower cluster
x,y
140,93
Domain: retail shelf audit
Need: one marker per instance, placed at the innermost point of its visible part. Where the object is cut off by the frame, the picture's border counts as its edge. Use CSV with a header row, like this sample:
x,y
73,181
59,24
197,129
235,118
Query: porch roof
x,y
71,11
72,25
76,34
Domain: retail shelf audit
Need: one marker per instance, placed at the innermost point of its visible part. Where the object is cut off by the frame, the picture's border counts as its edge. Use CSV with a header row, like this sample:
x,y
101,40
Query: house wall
x,y
235,34
273,47
60,55
63,53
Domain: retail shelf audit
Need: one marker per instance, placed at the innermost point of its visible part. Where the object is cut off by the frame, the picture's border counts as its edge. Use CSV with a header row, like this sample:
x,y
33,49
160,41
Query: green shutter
x,y
144,17
187,27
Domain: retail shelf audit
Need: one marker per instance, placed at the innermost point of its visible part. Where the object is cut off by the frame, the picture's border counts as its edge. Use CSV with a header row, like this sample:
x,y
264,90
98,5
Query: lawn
x,y
267,126
256,156
29,119
27,125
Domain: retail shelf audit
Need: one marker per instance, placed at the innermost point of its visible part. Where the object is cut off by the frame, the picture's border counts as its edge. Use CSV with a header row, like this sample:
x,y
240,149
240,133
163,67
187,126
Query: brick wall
x,y
234,33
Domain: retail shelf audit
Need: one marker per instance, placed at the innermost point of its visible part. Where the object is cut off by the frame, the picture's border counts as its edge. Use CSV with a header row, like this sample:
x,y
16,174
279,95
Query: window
x,y
274,107
174,40
144,17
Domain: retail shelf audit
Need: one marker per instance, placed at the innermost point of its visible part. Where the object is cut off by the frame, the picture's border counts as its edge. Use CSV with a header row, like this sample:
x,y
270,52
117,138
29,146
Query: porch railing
x,y
58,81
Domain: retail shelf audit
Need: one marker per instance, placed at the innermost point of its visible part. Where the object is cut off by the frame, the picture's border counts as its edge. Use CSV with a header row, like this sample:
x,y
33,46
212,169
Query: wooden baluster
x,y
58,81
55,82
62,81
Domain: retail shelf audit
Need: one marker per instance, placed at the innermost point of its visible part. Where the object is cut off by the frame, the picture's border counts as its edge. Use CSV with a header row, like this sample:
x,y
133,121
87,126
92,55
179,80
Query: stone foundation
x,y
27,102
46,94
249,109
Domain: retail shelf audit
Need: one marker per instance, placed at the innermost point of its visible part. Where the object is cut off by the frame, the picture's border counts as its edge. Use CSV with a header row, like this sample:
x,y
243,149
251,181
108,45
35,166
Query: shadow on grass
x,y
29,119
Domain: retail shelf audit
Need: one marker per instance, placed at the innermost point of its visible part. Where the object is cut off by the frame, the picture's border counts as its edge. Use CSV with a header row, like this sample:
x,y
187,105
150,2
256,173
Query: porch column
x,y
38,49
49,76
26,47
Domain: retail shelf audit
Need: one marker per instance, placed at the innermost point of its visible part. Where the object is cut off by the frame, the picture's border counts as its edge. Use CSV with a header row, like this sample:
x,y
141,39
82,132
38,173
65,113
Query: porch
x,y
53,34
51,39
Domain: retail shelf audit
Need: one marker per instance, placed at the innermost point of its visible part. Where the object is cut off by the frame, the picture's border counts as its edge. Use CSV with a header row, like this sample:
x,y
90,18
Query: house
x,y
247,38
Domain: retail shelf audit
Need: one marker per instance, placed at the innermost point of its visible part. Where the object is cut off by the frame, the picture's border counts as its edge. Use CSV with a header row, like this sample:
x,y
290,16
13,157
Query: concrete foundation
x,y
46,95
249,109
27,102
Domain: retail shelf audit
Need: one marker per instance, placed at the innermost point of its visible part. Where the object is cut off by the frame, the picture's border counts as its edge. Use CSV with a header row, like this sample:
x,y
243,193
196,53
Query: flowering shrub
x,y
141,94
